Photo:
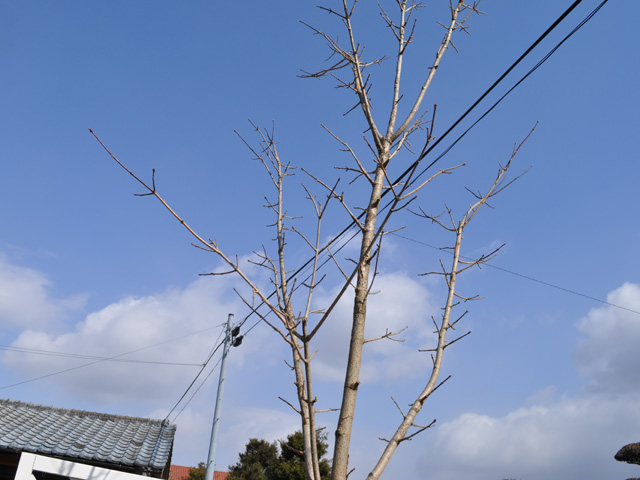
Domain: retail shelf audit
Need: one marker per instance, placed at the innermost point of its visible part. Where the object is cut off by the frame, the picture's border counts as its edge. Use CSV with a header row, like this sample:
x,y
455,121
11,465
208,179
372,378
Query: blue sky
x,y
545,385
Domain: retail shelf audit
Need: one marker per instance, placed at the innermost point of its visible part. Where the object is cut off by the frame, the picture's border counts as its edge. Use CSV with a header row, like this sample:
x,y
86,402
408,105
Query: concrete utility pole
x,y
231,338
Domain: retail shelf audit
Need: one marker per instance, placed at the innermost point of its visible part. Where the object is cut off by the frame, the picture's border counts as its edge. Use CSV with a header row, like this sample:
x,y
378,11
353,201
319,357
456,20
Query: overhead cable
x,y
215,349
213,369
426,150
522,79
423,154
35,351
103,359
526,277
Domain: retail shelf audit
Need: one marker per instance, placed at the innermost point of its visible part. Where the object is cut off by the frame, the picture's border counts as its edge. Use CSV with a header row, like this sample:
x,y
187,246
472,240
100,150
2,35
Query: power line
x,y
352,224
410,169
34,351
426,150
522,79
213,351
502,77
213,369
104,359
526,277
304,267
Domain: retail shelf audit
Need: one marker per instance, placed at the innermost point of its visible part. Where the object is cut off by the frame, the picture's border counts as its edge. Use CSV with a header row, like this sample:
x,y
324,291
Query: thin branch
x,y
422,429
432,71
288,403
388,335
398,407
211,246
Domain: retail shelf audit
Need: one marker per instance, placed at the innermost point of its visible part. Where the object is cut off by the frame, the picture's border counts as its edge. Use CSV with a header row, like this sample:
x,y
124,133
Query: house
x,y
73,439
178,472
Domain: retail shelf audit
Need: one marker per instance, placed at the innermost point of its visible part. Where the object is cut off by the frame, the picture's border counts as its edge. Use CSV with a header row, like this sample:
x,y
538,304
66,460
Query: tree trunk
x,y
340,468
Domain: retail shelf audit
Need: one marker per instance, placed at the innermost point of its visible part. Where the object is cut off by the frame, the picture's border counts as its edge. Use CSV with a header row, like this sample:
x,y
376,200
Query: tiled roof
x,y
178,472
139,443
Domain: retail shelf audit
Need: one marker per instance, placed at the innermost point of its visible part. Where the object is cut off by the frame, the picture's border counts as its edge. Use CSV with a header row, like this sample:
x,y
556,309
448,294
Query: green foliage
x,y
198,472
262,460
258,462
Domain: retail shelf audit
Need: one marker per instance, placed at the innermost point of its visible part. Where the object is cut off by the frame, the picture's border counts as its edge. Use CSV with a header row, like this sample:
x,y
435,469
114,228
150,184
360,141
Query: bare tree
x,y
289,311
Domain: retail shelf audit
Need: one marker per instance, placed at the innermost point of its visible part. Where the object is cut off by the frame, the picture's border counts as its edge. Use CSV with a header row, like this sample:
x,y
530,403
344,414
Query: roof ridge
x,y
81,413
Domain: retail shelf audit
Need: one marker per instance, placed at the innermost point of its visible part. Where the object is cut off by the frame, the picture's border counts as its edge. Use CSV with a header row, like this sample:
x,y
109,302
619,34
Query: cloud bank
x,y
26,300
568,437
552,436
400,302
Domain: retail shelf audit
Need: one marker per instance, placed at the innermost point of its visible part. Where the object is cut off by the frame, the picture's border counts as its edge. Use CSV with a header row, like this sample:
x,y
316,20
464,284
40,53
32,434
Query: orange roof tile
x,y
179,472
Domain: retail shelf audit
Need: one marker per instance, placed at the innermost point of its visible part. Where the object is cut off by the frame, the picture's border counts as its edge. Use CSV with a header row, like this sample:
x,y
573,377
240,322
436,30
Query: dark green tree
x,y
291,464
262,460
198,473
258,461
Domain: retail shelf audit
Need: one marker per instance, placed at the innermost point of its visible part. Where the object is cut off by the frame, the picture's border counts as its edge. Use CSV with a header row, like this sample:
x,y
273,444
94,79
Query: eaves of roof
x,y
139,443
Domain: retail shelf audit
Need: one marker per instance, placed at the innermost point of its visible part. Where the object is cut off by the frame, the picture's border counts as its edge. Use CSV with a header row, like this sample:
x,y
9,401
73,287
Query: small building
x,y
135,446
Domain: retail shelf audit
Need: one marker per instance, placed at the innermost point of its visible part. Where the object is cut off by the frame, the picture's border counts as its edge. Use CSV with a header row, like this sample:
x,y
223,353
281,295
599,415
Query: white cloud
x,y
251,407
545,396
570,437
134,323
553,436
262,423
573,438
608,354
127,326
401,302
26,300
237,426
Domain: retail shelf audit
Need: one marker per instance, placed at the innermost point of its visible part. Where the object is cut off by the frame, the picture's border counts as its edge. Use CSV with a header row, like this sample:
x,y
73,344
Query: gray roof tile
x,y
128,441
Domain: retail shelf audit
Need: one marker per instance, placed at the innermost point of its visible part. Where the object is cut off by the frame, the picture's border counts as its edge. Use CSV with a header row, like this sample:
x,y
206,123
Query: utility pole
x,y
231,338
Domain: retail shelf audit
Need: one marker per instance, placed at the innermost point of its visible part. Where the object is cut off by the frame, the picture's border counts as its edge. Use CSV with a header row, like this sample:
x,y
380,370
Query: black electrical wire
x,y
102,359
199,373
422,155
522,79
526,277
426,150
35,351
213,369
502,77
